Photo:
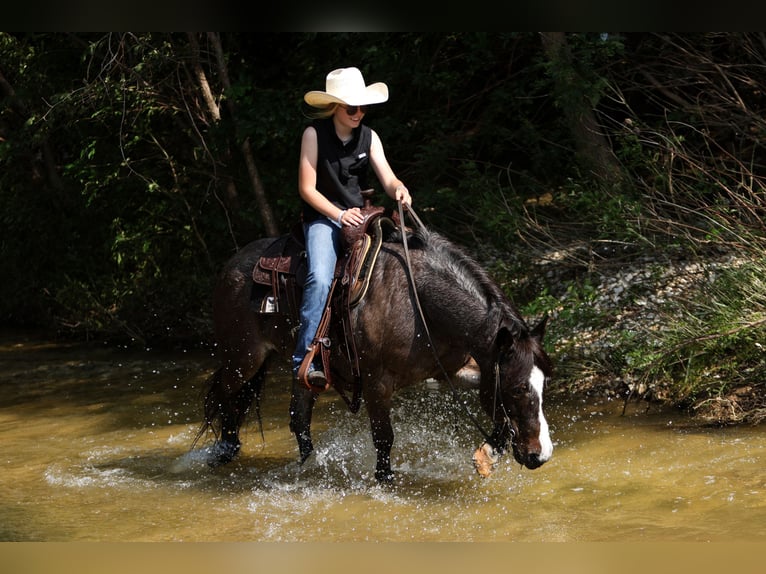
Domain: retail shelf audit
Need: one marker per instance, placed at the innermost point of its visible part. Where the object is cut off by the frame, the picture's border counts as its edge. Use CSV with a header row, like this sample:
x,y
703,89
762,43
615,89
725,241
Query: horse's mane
x,y
455,264
449,262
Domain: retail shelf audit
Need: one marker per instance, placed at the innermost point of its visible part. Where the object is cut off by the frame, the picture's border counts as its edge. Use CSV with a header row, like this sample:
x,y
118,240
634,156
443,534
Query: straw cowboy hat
x,y
346,86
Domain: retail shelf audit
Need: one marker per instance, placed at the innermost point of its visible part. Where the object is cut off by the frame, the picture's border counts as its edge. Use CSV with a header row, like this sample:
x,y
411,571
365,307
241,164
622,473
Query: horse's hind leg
x,y
301,407
230,409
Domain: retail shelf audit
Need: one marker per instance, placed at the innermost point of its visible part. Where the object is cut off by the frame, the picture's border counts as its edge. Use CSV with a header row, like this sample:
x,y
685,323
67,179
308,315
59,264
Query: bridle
x,y
497,397
506,418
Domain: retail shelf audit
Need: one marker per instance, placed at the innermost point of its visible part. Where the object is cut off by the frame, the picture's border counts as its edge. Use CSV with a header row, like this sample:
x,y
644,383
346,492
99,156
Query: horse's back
x,y
240,266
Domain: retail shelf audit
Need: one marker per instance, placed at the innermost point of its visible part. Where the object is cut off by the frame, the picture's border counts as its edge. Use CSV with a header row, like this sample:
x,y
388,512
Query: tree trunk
x,y
230,201
592,148
255,179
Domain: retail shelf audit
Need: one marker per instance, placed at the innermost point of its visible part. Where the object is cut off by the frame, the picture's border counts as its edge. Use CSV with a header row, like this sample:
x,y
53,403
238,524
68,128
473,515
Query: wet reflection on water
x,y
96,446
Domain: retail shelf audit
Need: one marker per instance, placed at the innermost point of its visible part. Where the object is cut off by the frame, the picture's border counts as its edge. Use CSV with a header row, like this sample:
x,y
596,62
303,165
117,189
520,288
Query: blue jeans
x,y
322,246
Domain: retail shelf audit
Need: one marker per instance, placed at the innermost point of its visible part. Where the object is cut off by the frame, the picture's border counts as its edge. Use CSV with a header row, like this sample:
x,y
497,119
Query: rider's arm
x,y
394,186
307,176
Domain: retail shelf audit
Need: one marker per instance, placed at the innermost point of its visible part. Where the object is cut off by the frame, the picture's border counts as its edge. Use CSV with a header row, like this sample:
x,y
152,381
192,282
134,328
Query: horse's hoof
x,y
304,457
222,453
384,476
485,459
305,448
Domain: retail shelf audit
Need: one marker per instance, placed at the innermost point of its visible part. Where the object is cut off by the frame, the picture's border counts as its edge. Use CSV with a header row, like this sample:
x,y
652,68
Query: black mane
x,y
452,266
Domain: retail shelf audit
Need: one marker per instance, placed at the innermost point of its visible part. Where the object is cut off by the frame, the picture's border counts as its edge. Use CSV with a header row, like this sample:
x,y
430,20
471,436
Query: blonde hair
x,y
323,112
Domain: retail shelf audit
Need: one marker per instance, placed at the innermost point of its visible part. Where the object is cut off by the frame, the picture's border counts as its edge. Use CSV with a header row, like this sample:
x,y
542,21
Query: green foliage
x,y
712,341
118,222
581,79
602,212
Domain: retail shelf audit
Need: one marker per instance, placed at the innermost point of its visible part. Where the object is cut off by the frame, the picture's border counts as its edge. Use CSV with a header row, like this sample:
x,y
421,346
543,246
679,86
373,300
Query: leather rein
x,y
455,394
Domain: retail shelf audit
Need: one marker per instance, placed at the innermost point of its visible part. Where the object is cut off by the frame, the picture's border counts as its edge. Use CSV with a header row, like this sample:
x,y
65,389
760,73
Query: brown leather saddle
x,y
282,268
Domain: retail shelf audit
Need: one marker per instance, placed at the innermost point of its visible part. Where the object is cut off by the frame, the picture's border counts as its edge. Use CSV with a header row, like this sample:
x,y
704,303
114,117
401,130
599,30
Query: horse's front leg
x,y
301,406
379,411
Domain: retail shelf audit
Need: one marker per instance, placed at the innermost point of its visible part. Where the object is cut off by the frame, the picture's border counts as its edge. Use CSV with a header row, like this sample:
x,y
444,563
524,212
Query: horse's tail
x,y
216,398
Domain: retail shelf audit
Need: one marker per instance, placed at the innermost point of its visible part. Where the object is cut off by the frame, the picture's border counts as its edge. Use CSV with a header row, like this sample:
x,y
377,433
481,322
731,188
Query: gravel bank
x,y
629,300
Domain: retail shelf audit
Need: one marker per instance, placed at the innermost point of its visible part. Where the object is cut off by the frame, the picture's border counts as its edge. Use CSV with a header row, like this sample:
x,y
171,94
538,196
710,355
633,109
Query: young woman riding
x,y
337,150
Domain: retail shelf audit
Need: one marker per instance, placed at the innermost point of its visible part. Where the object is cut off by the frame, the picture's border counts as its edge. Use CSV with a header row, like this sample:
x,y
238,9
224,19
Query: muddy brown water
x,y
95,445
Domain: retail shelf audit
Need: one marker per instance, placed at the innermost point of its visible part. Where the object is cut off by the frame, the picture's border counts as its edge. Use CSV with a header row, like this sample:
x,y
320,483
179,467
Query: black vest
x,y
341,168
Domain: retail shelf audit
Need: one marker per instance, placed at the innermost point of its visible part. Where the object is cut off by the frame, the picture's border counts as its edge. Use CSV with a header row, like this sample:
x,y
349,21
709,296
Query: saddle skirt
x,y
283,266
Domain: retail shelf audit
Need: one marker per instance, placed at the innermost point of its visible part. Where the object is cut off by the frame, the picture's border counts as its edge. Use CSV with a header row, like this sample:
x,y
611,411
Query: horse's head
x,y
515,399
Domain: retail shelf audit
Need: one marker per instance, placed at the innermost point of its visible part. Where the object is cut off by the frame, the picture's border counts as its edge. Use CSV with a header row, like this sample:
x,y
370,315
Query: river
x,y
96,446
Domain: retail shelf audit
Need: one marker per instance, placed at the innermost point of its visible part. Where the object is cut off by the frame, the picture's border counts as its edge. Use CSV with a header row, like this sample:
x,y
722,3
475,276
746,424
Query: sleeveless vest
x,y
342,169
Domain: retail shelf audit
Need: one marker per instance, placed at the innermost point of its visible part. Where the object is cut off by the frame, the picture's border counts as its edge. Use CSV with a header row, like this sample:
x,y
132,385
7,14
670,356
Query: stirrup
x,y
317,379
313,379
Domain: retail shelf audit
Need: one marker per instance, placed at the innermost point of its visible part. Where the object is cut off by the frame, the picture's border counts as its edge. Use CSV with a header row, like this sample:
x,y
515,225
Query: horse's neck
x,y
458,319
457,305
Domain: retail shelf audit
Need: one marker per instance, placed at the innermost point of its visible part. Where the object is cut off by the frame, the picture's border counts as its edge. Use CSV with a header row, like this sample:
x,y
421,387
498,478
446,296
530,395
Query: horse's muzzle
x,y
533,461
530,459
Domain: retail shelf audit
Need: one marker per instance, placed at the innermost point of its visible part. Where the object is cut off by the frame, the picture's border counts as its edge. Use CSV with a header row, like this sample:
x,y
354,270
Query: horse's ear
x,y
538,331
504,339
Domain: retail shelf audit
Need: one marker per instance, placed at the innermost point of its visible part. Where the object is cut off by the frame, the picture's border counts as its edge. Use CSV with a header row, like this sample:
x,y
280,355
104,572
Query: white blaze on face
x,y
536,380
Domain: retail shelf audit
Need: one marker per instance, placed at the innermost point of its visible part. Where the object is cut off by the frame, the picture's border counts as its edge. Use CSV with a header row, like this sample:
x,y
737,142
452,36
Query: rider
x,y
336,152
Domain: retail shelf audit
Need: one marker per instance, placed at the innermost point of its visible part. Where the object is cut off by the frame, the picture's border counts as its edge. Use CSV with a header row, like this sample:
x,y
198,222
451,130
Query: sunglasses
x,y
351,110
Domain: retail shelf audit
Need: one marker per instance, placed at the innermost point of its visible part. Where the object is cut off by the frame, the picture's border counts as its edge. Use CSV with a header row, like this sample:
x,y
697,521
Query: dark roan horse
x,y
467,316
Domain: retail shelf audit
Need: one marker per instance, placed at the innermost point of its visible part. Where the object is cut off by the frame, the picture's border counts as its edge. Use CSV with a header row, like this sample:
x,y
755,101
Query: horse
x,y
430,309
